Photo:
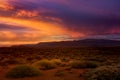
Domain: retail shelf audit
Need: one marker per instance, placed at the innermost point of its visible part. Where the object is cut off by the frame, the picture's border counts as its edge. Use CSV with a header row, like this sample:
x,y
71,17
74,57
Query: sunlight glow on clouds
x,y
26,13
32,21
39,31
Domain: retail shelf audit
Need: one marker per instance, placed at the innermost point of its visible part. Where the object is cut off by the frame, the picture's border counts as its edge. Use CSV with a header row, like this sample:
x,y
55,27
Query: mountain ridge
x,y
76,43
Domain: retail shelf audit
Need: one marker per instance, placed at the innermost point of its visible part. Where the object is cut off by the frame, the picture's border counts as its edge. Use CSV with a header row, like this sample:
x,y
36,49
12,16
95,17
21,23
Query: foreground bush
x,y
83,64
57,62
22,71
45,64
104,73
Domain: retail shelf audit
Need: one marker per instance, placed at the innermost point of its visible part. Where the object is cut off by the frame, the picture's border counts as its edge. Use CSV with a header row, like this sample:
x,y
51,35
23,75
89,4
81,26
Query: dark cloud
x,y
85,21
108,36
5,27
26,5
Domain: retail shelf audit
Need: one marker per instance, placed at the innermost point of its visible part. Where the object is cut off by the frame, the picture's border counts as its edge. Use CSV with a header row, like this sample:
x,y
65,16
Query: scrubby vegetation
x,y
15,55
22,71
104,73
83,64
60,61
45,64
57,62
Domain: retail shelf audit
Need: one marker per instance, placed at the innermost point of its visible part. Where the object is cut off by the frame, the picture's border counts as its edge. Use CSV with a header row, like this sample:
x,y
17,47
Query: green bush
x,y
83,64
45,64
104,73
22,71
57,62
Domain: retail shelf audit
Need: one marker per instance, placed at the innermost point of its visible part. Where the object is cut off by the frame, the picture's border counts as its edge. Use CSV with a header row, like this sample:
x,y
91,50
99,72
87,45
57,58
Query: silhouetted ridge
x,y
81,43
85,42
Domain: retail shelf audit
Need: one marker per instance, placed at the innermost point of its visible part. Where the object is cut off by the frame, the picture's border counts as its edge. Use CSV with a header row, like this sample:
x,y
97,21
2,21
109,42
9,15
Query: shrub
x,y
57,62
104,73
45,64
22,71
83,64
10,61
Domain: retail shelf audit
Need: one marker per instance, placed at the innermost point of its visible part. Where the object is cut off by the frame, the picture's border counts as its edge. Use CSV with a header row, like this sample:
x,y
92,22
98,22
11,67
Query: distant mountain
x,y
81,43
85,42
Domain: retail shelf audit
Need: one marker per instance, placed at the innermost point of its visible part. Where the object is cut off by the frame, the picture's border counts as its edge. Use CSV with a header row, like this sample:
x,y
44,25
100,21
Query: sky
x,y
33,21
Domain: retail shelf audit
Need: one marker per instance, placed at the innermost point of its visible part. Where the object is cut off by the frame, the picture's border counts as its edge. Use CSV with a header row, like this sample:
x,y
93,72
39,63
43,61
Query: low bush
x,y
45,64
83,64
104,73
57,62
22,71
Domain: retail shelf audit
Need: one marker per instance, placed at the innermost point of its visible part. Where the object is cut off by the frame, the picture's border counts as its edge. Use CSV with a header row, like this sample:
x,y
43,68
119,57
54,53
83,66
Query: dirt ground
x,y
73,74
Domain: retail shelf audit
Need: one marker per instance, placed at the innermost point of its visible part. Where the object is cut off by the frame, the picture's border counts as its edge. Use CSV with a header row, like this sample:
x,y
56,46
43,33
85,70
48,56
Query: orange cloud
x,y
24,13
26,36
41,31
44,27
77,35
6,35
4,5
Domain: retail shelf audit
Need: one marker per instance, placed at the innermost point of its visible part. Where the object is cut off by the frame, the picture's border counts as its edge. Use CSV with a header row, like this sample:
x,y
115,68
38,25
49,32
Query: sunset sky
x,y
33,21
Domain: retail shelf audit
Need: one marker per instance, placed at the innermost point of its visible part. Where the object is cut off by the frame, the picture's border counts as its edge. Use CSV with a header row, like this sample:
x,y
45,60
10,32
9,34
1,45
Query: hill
x,y
82,43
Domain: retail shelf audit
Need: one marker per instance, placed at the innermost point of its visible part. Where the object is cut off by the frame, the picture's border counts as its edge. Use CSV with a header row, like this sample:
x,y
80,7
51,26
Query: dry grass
x,y
83,64
23,71
45,64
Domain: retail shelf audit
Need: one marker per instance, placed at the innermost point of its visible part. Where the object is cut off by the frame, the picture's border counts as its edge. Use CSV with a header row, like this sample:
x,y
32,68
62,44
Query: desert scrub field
x,y
66,62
